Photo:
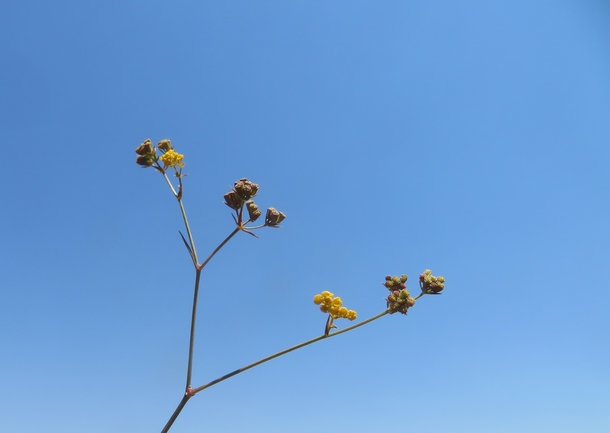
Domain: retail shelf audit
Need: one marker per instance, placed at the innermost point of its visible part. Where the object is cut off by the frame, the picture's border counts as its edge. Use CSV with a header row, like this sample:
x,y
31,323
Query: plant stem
x,y
189,369
169,183
188,231
183,212
283,352
218,248
176,413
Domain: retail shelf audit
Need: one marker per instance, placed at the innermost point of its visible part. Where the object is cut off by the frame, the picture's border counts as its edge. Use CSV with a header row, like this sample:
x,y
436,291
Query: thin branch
x,y
169,183
178,196
189,369
283,352
222,244
188,230
176,413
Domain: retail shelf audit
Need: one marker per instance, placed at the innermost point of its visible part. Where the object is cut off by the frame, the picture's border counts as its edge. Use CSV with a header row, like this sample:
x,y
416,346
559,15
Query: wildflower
x,y
333,306
172,159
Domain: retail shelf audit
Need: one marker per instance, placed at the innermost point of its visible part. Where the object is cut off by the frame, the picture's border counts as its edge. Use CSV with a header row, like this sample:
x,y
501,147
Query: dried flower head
x,y
145,148
253,211
233,200
274,217
245,189
165,145
146,154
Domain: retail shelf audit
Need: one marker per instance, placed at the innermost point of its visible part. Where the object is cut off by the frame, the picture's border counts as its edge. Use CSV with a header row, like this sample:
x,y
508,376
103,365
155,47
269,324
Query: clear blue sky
x,y
471,138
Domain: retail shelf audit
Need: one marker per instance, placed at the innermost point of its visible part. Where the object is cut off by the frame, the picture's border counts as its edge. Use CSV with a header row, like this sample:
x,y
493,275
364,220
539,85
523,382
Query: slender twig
x,y
283,352
188,231
169,183
222,244
183,212
189,369
176,413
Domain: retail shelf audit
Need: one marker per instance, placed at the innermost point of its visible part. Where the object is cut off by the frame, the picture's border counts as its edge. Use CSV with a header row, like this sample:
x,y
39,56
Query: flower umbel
x,y
172,159
400,299
430,284
333,306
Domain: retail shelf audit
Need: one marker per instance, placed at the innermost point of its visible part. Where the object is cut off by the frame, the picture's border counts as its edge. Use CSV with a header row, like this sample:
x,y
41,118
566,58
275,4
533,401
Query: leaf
x,y
187,246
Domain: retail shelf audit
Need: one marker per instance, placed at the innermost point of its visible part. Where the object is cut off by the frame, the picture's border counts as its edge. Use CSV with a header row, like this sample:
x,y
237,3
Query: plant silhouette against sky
x,y
163,158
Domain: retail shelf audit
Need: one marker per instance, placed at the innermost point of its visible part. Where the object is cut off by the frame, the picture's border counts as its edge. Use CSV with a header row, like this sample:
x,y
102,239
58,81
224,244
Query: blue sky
x,y
469,137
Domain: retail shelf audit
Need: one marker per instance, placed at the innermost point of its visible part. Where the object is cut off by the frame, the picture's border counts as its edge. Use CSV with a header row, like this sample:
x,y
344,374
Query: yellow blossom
x,y
172,159
333,306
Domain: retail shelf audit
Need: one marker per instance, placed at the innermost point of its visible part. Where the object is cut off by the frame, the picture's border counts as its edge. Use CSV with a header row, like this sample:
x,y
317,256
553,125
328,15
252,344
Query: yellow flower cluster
x,y
333,306
171,158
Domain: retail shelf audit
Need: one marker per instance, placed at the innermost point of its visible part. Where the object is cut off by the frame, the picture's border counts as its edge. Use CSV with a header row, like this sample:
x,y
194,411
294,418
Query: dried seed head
x,y
274,217
253,210
245,189
233,200
145,148
165,145
145,160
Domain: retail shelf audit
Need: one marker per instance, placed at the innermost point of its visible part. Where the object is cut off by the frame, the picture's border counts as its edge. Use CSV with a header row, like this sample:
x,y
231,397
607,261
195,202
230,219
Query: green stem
x,y
283,352
176,413
218,248
183,212
169,183
188,231
189,369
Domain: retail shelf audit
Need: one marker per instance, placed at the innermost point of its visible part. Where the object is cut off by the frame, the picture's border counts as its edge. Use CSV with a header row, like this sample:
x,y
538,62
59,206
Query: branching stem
x,y
176,413
189,391
283,352
188,231
222,244
189,369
